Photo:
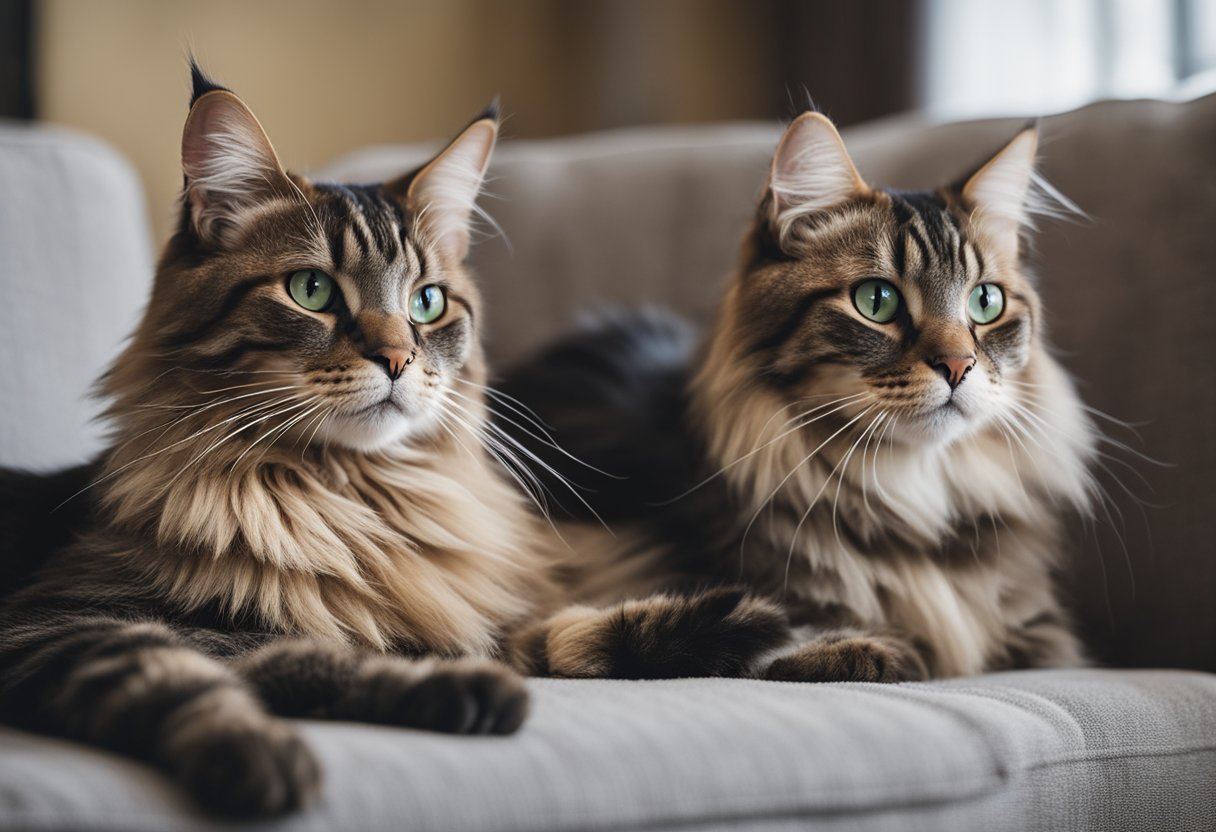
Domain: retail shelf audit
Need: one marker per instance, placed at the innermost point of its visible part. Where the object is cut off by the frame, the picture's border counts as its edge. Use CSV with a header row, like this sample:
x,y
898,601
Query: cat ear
x,y
999,194
811,172
443,195
229,163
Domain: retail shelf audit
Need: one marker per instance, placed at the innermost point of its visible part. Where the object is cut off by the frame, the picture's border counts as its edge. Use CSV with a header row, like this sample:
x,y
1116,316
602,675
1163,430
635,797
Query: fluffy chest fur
x,y
407,549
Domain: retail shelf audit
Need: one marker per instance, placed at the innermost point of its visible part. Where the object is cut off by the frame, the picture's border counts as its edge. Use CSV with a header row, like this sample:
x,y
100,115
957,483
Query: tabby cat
x,y
872,437
295,515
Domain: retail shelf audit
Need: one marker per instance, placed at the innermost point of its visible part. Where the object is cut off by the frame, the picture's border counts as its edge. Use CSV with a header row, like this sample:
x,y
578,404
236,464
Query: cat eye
x,y
312,289
427,304
986,303
877,300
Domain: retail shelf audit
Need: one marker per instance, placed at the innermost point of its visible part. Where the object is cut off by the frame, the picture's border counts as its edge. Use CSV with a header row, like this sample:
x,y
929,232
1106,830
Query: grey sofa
x,y
655,215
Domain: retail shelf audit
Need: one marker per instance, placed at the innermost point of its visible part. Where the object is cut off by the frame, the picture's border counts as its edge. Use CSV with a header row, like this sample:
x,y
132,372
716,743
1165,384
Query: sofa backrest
x,y
656,216
75,267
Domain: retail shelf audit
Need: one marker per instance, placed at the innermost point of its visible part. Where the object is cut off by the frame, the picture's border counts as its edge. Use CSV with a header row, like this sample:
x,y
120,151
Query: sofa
x,y
655,215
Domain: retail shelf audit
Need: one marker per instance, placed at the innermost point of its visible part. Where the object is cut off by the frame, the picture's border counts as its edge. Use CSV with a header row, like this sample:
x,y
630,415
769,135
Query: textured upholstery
x,y
75,266
1061,750
656,216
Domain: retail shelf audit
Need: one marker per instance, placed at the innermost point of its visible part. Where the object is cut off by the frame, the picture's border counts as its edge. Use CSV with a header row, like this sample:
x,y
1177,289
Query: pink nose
x,y
953,368
394,360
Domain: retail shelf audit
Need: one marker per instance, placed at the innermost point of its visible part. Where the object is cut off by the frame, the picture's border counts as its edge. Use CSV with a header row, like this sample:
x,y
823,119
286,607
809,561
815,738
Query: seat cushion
x,y
1037,750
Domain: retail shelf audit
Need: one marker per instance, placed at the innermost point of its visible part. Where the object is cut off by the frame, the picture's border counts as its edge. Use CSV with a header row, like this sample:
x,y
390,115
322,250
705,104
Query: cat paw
x,y
849,659
456,697
248,771
721,632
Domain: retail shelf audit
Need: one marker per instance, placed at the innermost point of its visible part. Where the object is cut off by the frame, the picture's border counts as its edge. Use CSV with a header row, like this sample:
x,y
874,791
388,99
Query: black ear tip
x,y
492,111
200,83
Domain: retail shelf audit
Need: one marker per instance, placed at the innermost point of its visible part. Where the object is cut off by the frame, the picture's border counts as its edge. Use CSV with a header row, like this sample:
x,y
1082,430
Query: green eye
x,y
878,300
313,290
427,304
986,303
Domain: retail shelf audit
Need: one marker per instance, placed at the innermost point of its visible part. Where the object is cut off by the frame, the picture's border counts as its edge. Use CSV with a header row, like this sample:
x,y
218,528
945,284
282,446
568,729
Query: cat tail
x,y
39,514
611,397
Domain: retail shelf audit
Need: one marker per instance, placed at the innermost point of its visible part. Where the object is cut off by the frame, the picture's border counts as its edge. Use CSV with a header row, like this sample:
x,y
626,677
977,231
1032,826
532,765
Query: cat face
x,y
907,304
343,310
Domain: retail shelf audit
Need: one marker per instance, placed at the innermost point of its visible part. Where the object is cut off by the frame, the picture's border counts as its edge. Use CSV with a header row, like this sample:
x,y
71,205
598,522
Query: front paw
x,y
721,632
250,770
451,697
856,658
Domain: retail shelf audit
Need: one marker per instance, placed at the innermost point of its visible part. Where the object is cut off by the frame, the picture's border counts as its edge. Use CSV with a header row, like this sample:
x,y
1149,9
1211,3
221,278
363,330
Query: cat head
x,y
911,304
342,309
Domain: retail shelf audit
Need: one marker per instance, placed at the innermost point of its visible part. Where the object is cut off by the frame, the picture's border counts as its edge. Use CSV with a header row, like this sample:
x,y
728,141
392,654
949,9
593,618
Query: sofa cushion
x,y
1041,750
75,266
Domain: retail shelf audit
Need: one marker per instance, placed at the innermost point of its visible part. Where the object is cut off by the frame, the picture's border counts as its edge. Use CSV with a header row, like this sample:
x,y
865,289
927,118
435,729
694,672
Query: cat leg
x,y
139,689
301,678
850,655
719,632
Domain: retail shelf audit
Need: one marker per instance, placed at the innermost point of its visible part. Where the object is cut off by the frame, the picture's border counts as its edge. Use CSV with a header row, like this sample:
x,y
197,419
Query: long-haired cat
x,y
872,435
295,515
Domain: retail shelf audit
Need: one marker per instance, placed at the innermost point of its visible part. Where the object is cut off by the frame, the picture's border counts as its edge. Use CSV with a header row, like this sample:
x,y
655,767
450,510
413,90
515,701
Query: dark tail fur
x,y
613,396
38,515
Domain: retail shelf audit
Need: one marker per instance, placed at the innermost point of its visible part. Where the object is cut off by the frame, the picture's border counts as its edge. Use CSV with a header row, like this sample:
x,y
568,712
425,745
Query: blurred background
x,y
328,77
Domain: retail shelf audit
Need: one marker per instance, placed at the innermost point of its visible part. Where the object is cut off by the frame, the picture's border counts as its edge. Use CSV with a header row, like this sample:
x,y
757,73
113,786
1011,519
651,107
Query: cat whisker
x,y
848,401
532,487
844,468
274,434
319,422
148,455
509,401
794,470
865,500
814,500
546,440
195,411
239,430
506,437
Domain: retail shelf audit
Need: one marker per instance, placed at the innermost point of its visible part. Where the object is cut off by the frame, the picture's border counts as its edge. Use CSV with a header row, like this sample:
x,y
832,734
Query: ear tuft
x,y
229,163
443,195
811,172
200,83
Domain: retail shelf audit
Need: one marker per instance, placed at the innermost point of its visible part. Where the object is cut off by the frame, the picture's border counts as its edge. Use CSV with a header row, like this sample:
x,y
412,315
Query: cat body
x,y
895,480
296,514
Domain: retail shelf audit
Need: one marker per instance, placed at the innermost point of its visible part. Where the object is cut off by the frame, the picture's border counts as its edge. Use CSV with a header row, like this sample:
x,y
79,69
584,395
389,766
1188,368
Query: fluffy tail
x,y
38,515
613,396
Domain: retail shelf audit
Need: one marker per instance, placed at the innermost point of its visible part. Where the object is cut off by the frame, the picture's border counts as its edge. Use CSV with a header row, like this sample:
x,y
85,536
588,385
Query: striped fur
x,y
907,524
286,522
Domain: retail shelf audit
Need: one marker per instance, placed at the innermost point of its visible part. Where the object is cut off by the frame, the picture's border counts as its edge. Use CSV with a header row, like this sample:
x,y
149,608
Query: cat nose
x,y
394,360
953,368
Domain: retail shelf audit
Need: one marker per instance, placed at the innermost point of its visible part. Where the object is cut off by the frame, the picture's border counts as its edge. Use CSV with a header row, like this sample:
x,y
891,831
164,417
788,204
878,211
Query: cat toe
x,y
249,771
458,697
855,659
722,632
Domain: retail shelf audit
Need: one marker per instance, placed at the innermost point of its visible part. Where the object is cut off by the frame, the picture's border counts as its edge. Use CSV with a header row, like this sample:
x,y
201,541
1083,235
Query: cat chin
x,y
941,426
367,433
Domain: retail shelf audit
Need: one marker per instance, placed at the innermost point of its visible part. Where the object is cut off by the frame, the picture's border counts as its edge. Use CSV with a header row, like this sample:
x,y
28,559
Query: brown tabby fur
x,y
297,514
895,488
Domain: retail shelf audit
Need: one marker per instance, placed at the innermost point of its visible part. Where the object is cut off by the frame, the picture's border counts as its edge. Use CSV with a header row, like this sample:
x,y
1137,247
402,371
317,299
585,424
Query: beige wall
x,y
326,77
